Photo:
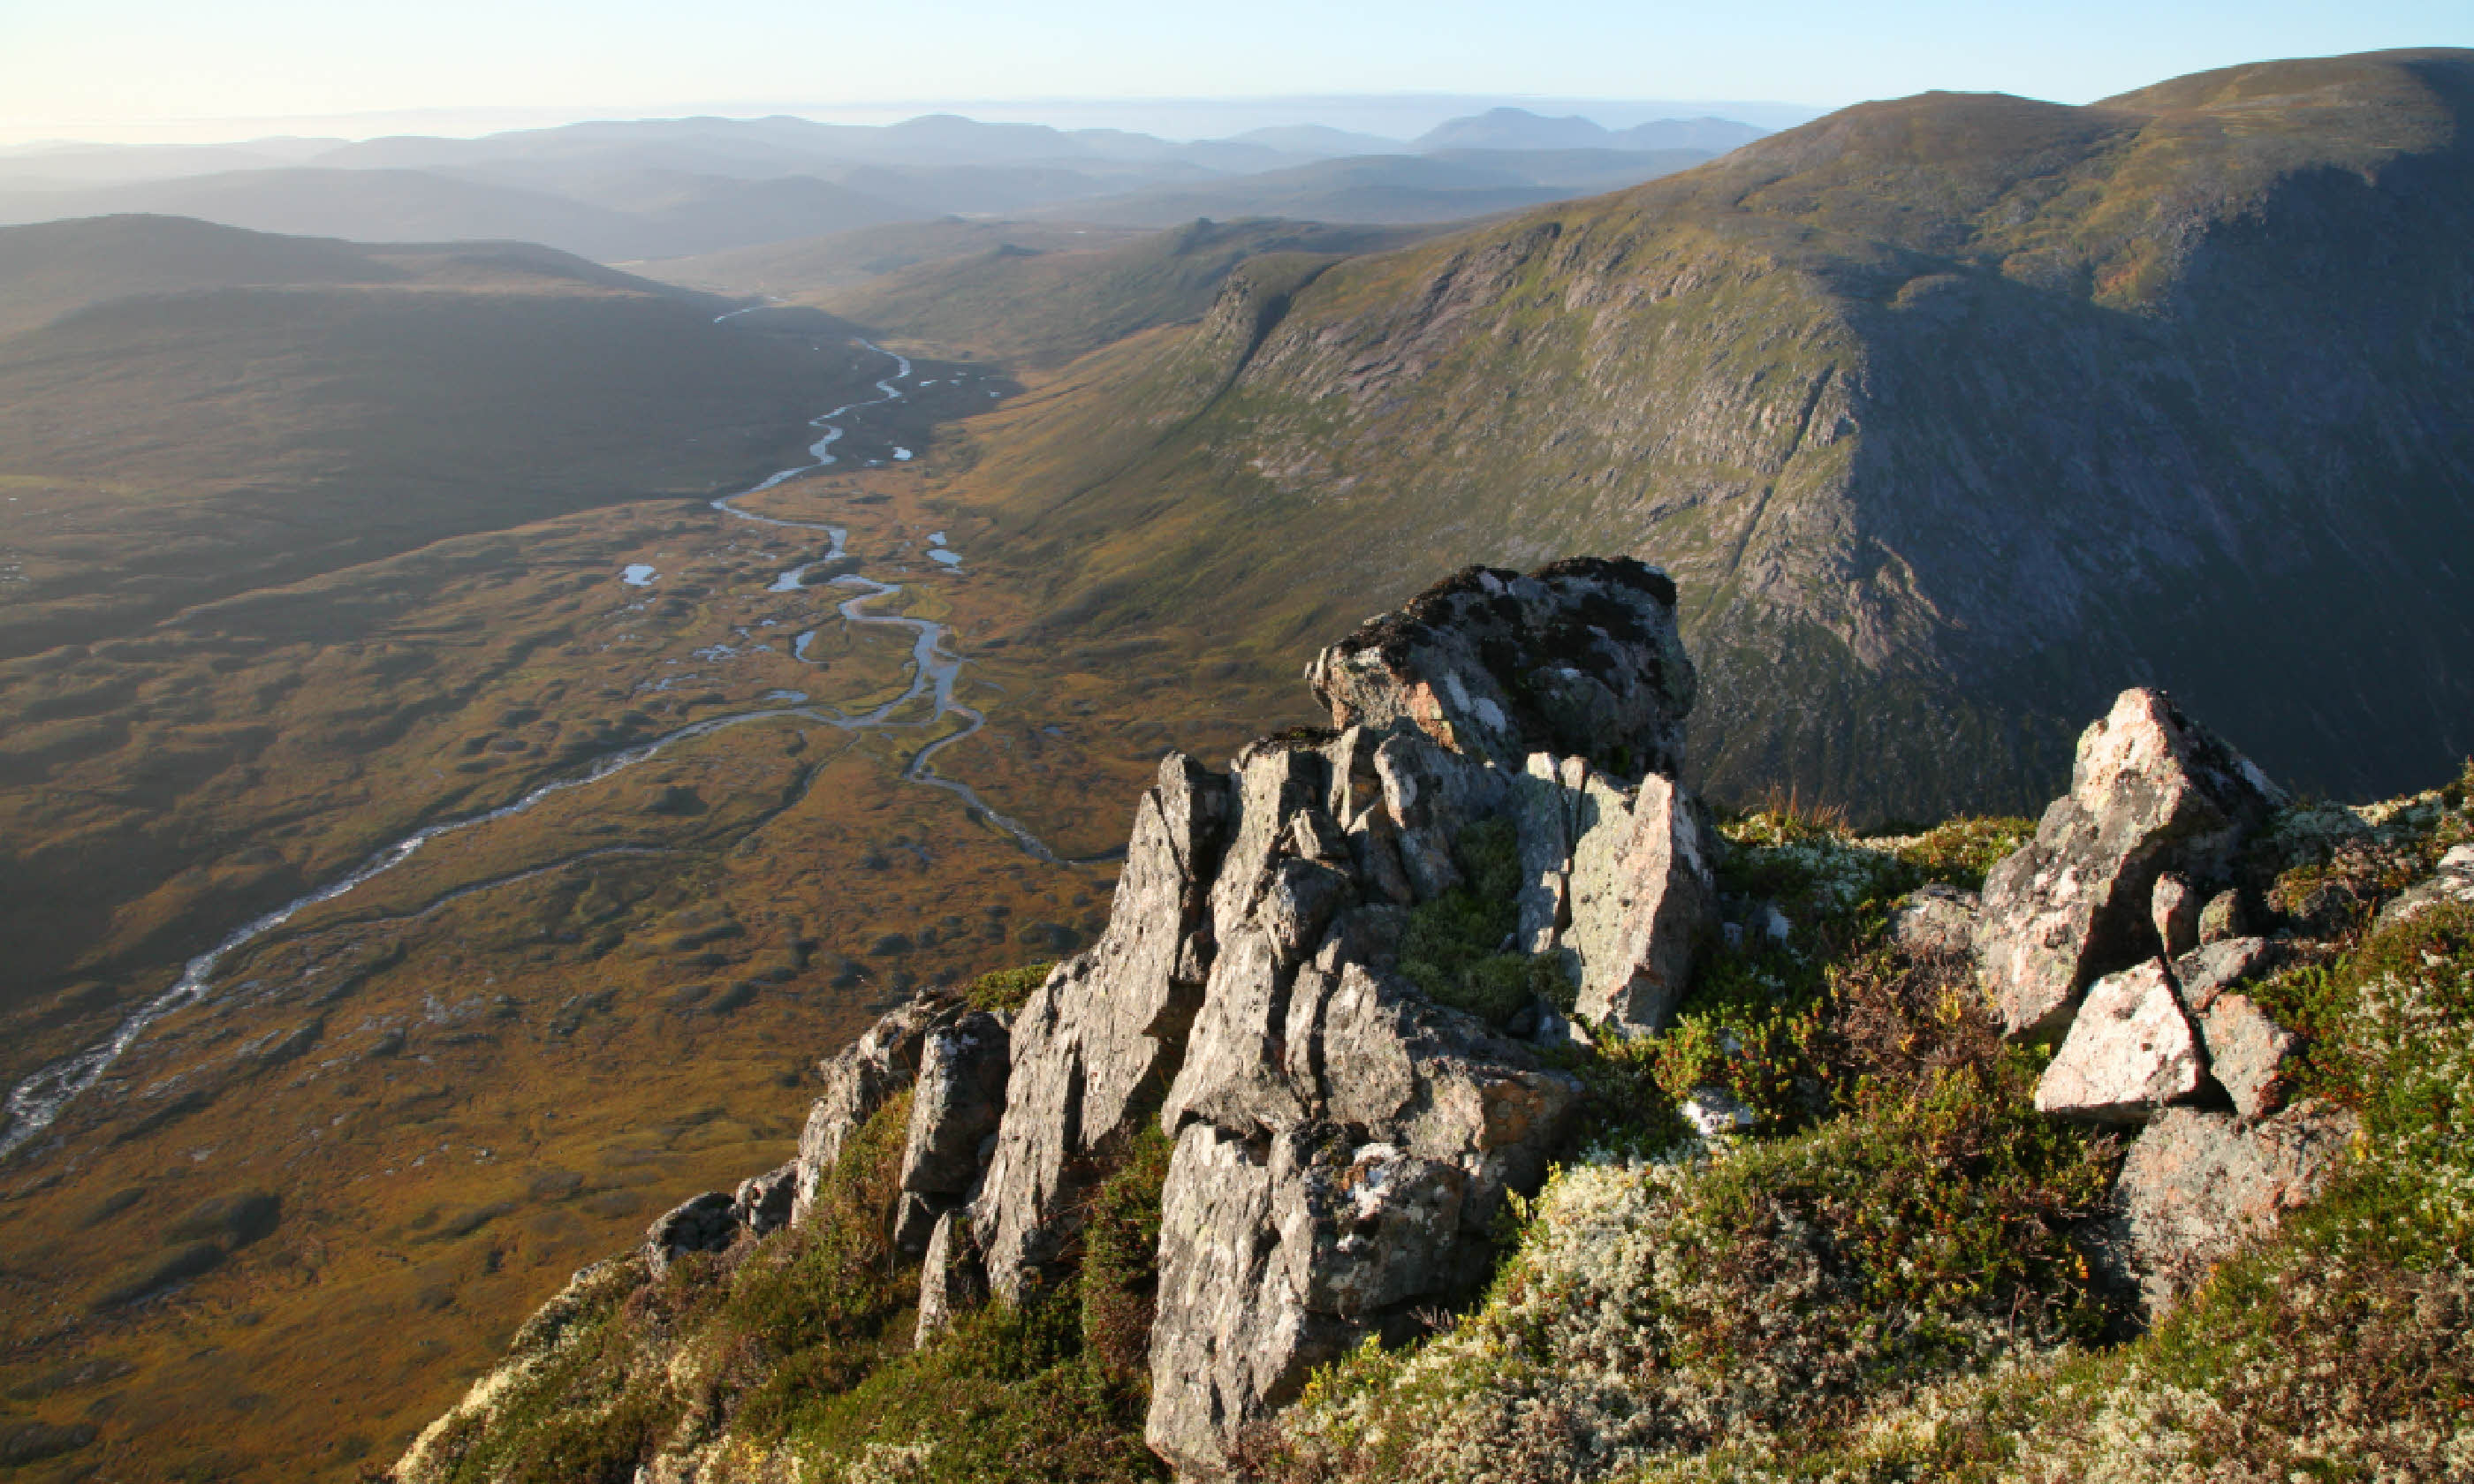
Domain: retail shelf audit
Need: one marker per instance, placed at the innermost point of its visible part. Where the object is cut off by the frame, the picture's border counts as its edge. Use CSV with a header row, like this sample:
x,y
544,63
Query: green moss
x,y
1453,948
1007,989
1120,1278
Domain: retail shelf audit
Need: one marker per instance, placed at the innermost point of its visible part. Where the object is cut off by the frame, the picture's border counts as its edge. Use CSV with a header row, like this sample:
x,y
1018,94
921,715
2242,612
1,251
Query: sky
x,y
166,70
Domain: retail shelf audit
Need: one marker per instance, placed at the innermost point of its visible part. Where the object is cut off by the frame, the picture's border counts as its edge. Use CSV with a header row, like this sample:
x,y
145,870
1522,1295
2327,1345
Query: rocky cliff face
x,y
1953,415
1364,985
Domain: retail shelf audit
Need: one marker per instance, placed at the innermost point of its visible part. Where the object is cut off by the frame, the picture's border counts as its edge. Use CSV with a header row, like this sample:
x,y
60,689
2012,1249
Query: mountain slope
x,y
231,409
1044,308
1951,415
1376,189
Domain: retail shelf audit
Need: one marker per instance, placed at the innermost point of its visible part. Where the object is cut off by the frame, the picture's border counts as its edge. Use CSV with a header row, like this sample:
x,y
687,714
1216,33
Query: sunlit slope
x,y
1041,308
1951,414
221,409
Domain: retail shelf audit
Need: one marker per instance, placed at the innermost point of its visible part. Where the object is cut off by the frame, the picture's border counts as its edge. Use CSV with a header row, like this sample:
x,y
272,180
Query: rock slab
x,y
2130,1052
2152,791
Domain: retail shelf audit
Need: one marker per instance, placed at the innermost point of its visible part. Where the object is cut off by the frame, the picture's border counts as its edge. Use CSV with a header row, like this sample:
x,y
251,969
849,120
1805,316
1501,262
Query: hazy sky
x,y
168,68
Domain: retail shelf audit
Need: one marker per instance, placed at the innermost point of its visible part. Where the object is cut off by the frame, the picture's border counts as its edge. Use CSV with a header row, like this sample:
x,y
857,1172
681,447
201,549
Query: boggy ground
x,y
296,1219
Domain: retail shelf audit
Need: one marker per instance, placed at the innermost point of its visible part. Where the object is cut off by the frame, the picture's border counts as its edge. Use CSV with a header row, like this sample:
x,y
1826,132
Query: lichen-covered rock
x,y
955,1106
2130,1052
2174,907
763,1202
2213,968
2152,791
1097,1044
859,1080
2197,1182
1644,896
2249,1054
1329,1194
703,1223
2452,882
1579,658
953,1277
2223,917
1936,919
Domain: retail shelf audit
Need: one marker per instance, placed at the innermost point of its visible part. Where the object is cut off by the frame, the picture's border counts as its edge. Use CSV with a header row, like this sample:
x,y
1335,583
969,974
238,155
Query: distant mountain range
x,y
630,190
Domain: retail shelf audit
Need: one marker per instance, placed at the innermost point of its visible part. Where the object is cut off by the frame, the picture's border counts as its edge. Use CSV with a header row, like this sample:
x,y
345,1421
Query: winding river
x,y
36,1101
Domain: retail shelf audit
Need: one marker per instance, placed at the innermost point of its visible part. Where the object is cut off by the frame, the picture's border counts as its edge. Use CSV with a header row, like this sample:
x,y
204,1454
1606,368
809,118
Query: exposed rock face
x,y
2130,1052
1344,1141
955,1106
2248,1053
1343,1149
2175,908
2453,882
2152,791
704,1223
1094,1050
859,1080
1644,895
1578,660
2197,1182
763,1202
2223,917
1936,919
953,1279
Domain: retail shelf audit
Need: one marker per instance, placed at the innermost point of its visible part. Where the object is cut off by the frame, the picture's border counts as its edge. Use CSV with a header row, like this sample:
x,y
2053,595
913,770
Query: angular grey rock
x,y
2130,1052
955,1106
2223,918
2213,968
2249,1054
1579,658
859,1080
704,1223
2196,1184
2152,791
2452,882
1096,1046
1644,896
1936,919
1328,1199
2174,907
763,1202
952,1279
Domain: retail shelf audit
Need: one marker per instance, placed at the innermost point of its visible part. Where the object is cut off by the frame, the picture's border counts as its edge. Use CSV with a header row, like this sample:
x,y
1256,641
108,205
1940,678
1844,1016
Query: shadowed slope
x,y
1951,415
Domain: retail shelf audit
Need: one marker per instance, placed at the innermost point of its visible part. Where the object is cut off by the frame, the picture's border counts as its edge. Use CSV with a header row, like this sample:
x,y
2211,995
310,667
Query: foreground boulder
x,y
2197,1182
2151,792
2131,1051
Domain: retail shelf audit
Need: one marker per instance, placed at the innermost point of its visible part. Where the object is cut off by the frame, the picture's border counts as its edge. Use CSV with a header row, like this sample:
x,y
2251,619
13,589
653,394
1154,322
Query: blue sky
x,y
175,68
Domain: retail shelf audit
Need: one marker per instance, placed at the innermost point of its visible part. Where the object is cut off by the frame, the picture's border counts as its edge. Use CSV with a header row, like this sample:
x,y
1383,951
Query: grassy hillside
x,y
307,405
1041,309
790,269
1383,189
1951,416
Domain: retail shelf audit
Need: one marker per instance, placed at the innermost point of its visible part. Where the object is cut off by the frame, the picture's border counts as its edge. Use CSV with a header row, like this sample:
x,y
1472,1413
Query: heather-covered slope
x,y
1952,414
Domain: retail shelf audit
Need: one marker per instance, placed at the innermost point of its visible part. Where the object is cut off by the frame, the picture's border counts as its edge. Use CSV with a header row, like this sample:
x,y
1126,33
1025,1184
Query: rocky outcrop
x,y
2452,882
2131,1051
1344,1139
2151,792
1094,1050
703,1223
955,1106
859,1080
2197,1182
1580,658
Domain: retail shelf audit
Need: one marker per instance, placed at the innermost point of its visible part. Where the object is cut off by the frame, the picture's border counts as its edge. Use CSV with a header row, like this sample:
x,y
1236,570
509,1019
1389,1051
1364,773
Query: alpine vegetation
x,y
1453,1096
